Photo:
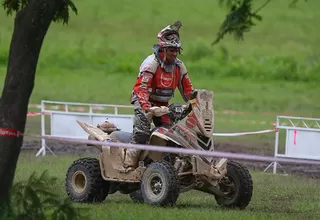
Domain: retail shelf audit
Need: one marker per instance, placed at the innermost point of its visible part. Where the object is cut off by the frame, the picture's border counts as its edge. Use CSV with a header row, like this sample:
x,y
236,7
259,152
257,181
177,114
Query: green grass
x,y
275,197
96,57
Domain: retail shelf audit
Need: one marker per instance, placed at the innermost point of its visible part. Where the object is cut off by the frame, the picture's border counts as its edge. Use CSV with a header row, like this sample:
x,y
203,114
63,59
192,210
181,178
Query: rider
x,y
159,75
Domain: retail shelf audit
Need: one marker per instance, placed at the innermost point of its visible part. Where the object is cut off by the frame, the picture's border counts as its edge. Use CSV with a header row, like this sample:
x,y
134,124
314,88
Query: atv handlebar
x,y
179,111
175,111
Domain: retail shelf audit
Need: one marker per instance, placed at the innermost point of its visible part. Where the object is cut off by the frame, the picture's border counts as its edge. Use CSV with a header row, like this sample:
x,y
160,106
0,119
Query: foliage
x,y
61,15
202,60
240,18
221,63
36,198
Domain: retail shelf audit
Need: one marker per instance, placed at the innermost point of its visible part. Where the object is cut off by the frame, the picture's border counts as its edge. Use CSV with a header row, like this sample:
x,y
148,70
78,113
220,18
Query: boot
x,y
130,158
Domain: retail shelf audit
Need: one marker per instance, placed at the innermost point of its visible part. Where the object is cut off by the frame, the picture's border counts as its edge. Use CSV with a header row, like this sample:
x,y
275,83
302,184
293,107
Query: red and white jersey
x,y
155,86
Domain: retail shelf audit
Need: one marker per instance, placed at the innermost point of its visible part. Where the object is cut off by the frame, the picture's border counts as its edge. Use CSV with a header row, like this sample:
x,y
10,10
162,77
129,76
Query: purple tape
x,y
184,151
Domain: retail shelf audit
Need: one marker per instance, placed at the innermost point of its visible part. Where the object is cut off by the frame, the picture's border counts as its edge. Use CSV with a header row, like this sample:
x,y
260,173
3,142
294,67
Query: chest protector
x,y
165,80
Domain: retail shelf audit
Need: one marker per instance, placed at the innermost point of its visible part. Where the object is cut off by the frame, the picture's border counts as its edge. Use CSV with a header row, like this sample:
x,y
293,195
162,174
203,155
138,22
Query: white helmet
x,y
169,36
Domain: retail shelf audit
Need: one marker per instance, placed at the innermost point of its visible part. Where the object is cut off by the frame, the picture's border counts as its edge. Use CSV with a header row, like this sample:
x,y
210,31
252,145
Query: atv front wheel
x,y
237,187
84,182
160,184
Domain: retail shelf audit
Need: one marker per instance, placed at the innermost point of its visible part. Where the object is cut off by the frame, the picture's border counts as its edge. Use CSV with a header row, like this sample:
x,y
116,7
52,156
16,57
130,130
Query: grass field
x,y
275,197
274,71
98,63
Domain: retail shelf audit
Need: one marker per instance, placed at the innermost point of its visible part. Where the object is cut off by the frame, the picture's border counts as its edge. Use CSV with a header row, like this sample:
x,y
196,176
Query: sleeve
x,y
141,89
185,84
144,81
186,87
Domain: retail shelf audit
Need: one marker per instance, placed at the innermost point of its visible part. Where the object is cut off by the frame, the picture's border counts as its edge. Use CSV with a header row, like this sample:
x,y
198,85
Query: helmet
x,y
169,36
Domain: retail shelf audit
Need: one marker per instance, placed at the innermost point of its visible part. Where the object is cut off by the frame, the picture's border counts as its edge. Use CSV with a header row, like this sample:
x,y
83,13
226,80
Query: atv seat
x,y
122,136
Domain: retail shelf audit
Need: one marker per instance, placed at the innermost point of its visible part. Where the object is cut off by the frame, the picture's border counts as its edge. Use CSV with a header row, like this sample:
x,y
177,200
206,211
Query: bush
x,y
222,64
35,199
201,59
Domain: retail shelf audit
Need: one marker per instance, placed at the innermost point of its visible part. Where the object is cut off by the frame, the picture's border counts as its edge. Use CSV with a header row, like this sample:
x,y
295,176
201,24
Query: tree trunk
x,y
30,27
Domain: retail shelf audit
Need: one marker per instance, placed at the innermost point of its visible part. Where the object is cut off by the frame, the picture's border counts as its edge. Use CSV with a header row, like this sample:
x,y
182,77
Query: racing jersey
x,y
155,86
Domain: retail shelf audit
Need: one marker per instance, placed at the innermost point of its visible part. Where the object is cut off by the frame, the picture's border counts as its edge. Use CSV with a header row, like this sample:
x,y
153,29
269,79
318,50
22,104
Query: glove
x,y
159,111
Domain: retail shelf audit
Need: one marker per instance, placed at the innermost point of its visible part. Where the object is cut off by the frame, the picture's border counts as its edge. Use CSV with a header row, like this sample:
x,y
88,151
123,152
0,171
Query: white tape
x,y
242,133
33,114
224,112
183,151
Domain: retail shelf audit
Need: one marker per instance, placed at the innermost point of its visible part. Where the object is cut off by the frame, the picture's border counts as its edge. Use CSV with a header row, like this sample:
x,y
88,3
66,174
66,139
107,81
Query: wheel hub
x,y
228,187
155,185
79,181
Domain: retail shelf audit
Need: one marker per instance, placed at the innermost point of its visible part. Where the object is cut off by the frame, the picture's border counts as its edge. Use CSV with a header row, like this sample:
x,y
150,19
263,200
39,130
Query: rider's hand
x,y
159,111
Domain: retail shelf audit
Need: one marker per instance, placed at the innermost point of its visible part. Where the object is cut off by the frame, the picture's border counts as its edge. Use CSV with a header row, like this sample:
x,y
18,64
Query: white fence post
x,y
302,139
63,119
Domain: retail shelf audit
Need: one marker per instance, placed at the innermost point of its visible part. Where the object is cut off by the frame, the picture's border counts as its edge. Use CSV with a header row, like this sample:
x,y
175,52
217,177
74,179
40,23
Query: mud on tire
x,y
238,187
160,184
84,182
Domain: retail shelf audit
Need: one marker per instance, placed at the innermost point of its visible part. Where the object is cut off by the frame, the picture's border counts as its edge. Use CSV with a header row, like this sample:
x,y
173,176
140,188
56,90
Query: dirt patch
x,y
62,148
59,148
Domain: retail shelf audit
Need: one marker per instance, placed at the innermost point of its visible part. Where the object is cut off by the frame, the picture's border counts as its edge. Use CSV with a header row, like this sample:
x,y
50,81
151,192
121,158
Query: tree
x,y
32,20
241,17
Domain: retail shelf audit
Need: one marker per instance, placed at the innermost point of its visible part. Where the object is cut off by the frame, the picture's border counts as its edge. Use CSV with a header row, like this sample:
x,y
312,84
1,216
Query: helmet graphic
x,y
169,36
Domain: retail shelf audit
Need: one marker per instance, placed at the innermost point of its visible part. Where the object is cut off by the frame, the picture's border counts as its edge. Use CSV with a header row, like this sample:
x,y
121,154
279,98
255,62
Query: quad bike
x,y
160,177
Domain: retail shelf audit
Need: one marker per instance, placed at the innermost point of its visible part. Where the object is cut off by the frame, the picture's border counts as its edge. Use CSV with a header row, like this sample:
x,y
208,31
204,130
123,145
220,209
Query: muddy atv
x,y
161,177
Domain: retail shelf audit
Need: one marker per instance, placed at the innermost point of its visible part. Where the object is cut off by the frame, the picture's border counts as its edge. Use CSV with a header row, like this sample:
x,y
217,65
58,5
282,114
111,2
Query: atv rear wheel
x,y
84,182
237,187
160,184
